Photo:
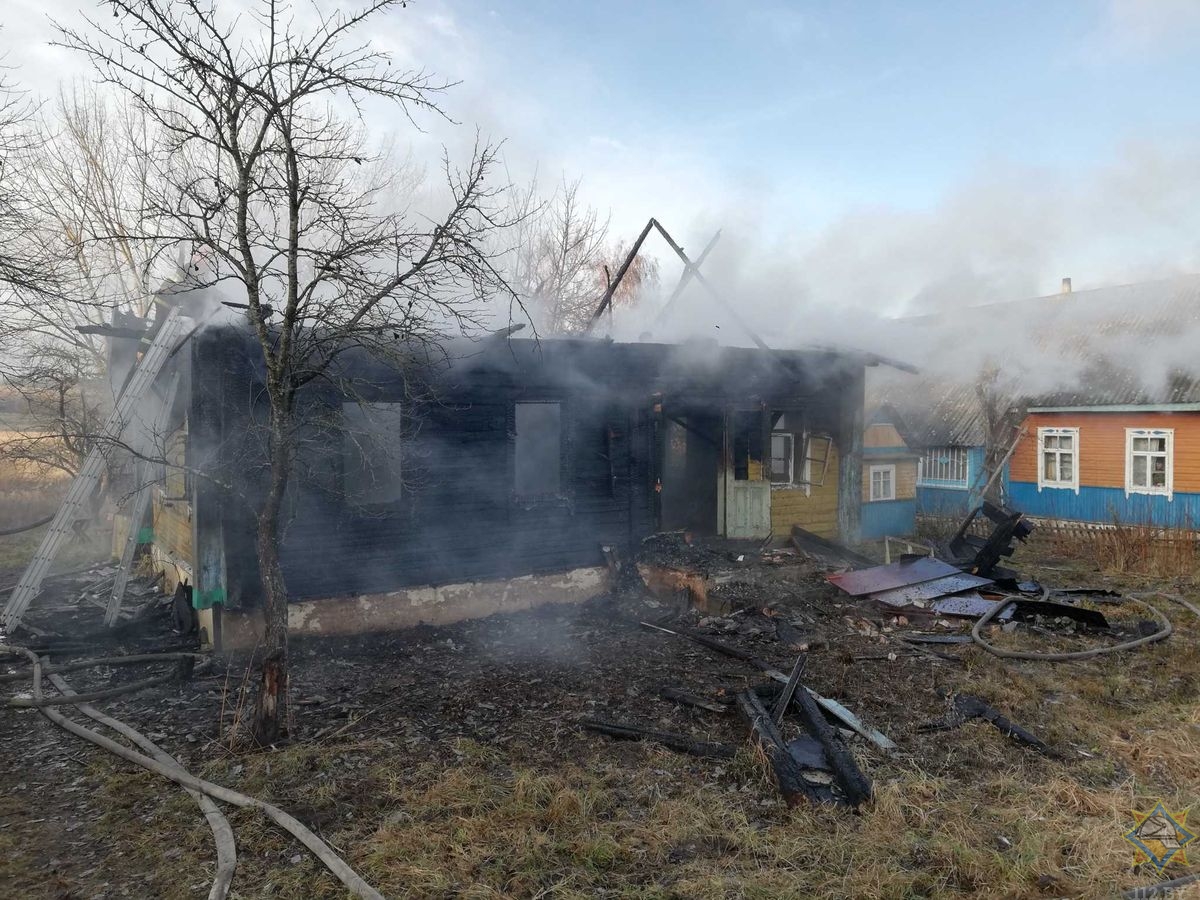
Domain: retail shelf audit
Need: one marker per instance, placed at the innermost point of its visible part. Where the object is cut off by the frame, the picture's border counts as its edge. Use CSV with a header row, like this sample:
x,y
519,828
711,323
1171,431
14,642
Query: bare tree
x,y
641,274
562,260
60,419
282,197
91,189
82,194
1002,416
22,266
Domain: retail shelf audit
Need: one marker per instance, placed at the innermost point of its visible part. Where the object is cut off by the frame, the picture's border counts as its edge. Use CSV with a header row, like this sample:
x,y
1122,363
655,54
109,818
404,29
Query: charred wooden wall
x,y
458,518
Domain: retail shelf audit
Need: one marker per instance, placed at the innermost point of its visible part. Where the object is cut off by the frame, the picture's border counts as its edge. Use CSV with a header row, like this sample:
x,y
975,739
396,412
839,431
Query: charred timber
x,y
854,784
680,743
788,774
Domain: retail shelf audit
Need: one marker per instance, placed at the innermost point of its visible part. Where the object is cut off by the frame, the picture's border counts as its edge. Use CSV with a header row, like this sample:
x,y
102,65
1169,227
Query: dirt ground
x,y
449,761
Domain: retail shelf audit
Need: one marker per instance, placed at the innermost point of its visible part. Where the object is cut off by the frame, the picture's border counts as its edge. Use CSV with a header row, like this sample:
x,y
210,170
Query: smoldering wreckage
x,y
684,499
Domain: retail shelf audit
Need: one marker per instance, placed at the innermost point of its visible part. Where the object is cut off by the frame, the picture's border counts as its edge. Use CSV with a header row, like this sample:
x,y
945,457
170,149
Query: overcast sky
x,y
861,153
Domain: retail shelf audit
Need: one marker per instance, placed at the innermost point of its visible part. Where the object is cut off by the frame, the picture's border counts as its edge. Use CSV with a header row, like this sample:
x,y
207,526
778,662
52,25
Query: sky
x,y
894,156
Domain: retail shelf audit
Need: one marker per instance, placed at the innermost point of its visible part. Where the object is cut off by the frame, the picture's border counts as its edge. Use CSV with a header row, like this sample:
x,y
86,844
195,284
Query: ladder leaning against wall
x,y
137,401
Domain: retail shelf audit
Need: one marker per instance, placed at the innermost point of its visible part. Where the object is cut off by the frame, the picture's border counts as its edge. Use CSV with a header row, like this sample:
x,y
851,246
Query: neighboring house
x,y
889,478
1104,387
943,426
493,480
1135,462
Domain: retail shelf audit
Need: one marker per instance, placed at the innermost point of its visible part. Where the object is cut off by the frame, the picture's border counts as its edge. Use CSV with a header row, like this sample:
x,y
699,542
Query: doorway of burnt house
x,y
692,444
745,513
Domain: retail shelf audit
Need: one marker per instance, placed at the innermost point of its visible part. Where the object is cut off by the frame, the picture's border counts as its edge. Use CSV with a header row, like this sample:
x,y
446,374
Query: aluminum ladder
x,y
75,506
148,475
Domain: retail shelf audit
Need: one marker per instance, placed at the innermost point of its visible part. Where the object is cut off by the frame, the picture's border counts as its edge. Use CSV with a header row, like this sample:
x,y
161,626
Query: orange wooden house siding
x,y
1101,465
1102,446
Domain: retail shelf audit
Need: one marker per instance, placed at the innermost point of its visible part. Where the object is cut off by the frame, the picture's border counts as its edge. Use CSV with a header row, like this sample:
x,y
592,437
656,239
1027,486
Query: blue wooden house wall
x,y
950,501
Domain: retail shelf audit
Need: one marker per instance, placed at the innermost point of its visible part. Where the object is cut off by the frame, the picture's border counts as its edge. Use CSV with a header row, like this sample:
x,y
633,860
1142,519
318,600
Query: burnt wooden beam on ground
x,y
854,784
789,689
788,774
968,706
876,737
722,648
687,699
680,743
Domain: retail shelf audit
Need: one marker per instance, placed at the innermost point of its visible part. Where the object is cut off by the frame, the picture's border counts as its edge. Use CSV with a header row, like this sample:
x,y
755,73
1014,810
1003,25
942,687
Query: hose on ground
x,y
5,532
126,660
336,865
104,694
221,830
1162,634
1162,889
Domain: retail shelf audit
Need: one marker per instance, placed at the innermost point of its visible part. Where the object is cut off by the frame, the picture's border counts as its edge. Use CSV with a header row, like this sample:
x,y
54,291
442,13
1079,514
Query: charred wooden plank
x,y
722,648
680,743
687,699
788,774
854,784
876,737
968,706
789,689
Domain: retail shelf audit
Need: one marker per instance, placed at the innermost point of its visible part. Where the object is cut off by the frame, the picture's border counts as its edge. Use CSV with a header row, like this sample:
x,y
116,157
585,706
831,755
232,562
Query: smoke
x,y
907,283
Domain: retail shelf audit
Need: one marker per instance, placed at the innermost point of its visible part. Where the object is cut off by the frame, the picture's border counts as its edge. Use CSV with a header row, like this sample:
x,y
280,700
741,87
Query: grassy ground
x,y
543,810
964,812
987,819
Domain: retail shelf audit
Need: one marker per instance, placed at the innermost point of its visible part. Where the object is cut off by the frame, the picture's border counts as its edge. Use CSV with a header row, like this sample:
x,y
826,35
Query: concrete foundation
x,y
440,605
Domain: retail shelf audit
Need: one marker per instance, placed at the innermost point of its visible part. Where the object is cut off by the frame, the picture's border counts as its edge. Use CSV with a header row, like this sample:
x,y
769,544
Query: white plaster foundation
x,y
430,605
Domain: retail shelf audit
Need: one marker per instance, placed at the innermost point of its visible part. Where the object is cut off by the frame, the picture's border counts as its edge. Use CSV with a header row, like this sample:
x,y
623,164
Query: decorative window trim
x,y
871,470
1167,490
947,459
1042,483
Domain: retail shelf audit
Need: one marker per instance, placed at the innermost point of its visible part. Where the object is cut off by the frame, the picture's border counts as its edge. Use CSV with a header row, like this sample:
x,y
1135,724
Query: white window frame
x,y
806,466
959,457
891,470
1168,490
1042,483
791,459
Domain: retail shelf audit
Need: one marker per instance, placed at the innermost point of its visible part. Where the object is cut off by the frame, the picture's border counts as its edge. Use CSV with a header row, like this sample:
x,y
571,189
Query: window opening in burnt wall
x,y
537,450
371,441
747,446
783,450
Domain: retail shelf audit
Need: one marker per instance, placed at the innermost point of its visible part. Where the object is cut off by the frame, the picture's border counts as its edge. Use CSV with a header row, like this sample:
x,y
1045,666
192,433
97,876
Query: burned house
x,y
490,477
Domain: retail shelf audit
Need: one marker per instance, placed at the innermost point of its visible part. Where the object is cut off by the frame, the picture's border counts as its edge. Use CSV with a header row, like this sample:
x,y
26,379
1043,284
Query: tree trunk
x,y
270,711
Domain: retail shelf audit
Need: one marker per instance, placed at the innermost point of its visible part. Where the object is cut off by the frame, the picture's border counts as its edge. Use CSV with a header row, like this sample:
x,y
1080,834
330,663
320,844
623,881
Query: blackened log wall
x,y
458,519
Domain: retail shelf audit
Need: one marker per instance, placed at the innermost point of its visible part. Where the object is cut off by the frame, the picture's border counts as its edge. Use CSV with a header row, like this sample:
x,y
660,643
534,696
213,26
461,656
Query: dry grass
x,y
956,813
1126,548
964,812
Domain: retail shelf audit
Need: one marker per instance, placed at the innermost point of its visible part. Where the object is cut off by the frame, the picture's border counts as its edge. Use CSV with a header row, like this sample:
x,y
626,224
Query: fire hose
x,y
336,865
1165,630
